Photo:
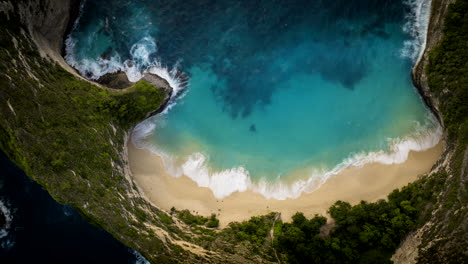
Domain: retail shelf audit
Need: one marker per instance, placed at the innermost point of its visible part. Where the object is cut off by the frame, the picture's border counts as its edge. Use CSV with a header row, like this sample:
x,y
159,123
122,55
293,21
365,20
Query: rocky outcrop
x,y
157,81
117,80
120,81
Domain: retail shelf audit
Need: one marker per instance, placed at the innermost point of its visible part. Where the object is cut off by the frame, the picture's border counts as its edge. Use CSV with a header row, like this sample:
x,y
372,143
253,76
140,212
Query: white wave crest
x,y
222,183
171,75
92,69
8,218
139,258
226,182
131,70
142,60
417,22
142,50
142,130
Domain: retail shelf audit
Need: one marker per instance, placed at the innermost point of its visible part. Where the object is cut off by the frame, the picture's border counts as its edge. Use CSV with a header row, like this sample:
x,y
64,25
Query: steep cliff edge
x,y
442,79
434,35
70,136
47,22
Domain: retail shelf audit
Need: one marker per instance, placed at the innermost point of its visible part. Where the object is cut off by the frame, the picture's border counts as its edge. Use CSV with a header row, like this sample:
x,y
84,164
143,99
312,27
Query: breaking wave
x,y
139,259
226,182
142,60
8,218
417,22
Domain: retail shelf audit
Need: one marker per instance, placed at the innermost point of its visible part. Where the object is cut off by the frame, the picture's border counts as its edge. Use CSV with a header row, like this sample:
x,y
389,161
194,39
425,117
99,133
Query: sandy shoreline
x,y
370,182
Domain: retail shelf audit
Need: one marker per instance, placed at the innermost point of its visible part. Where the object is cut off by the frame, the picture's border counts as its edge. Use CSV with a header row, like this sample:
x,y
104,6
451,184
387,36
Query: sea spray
x,y
417,22
140,58
8,218
139,258
142,61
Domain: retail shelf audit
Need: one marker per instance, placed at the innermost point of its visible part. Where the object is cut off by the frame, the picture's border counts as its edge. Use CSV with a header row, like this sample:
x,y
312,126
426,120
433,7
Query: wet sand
x,y
370,183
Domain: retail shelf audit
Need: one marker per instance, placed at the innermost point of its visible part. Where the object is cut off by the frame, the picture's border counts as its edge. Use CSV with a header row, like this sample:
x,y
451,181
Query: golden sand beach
x,y
370,182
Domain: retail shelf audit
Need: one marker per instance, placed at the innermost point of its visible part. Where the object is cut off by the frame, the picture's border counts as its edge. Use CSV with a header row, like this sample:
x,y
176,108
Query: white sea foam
x,y
417,22
142,60
226,182
133,73
143,131
177,83
142,50
139,258
222,183
8,217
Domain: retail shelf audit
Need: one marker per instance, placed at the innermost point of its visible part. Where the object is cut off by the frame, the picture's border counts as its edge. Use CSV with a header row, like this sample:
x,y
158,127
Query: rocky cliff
x,y
70,136
440,77
434,35
47,22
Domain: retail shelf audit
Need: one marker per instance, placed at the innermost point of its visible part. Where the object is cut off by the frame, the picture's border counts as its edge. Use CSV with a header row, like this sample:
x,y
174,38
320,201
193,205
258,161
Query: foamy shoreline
x,y
369,182
200,187
237,179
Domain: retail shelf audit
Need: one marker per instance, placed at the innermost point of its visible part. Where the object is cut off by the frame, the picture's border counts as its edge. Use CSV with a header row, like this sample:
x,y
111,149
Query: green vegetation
x,y
256,230
364,233
213,222
448,70
190,219
68,135
69,138
448,81
370,232
133,104
194,220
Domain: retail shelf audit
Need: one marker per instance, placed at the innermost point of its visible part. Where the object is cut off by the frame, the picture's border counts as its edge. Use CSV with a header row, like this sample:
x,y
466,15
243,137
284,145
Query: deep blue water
x,y
44,231
281,94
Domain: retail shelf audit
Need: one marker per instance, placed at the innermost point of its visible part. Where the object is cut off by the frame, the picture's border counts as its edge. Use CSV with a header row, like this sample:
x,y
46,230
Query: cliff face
x,y
434,35
47,22
440,78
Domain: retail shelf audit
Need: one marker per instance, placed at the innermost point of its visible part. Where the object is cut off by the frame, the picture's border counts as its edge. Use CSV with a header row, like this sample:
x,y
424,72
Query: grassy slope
x,y
68,135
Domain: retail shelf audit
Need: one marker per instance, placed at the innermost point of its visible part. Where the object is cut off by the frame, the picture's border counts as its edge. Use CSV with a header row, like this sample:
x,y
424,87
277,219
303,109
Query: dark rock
x,y
116,80
3,220
156,81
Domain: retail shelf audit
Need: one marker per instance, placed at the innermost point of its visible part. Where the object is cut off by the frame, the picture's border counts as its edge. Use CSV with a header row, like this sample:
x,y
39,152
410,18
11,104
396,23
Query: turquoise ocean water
x,y
281,94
